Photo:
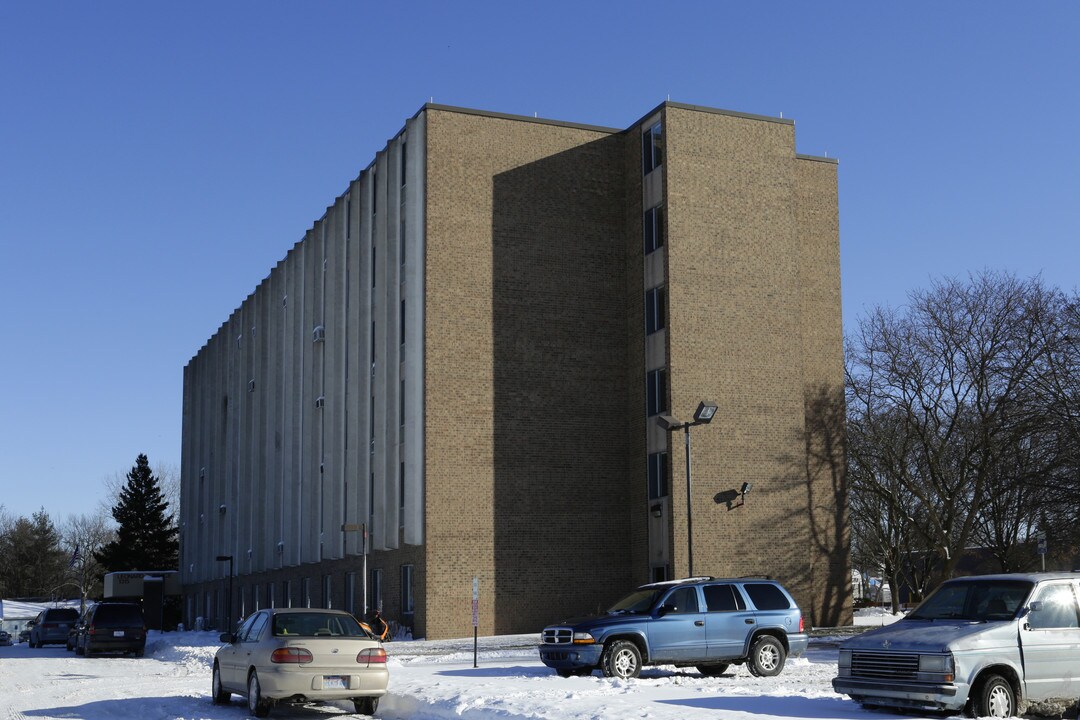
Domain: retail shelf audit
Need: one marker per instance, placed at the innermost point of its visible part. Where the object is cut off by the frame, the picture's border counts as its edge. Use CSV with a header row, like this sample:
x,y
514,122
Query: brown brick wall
x,y
823,378
526,451
736,275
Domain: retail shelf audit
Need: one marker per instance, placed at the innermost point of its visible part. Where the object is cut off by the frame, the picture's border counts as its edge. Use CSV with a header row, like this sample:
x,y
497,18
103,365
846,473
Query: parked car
x,y
5,638
24,634
51,626
987,644
294,655
706,623
111,627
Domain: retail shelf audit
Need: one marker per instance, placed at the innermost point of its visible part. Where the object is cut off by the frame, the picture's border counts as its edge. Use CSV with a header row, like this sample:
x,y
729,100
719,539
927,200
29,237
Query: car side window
x,y
256,628
1057,608
683,600
723,598
242,632
766,596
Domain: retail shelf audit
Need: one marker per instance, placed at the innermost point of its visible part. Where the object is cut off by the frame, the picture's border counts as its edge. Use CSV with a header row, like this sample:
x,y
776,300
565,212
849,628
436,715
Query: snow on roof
x,y
20,609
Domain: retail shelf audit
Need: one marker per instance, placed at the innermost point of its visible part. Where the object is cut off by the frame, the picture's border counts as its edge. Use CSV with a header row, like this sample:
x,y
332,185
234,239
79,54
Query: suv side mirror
x,y
664,610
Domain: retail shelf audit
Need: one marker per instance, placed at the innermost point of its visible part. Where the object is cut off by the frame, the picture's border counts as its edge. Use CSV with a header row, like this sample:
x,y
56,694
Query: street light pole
x,y
702,416
689,508
228,604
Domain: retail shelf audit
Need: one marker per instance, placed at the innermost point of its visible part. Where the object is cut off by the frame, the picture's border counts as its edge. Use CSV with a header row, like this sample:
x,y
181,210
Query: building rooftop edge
x,y
817,158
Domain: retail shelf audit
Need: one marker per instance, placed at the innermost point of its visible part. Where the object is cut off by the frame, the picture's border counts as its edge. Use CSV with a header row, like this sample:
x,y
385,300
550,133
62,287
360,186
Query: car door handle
x,y
699,623
749,621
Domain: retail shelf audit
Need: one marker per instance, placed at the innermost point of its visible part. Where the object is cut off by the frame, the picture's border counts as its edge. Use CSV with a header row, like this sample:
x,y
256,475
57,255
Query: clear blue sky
x,y
157,159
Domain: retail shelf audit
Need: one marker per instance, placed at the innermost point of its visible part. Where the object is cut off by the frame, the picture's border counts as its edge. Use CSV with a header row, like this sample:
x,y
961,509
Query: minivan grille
x,y
890,665
558,636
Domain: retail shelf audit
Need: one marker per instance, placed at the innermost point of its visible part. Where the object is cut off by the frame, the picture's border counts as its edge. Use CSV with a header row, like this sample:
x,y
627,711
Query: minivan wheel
x,y
257,705
766,657
621,659
994,698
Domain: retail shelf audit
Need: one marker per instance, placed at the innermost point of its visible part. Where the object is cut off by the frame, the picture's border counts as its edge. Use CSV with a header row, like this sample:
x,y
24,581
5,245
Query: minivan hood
x,y
935,636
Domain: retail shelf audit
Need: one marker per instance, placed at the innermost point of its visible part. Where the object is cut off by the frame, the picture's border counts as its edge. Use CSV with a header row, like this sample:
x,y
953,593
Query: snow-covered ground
x,y
429,680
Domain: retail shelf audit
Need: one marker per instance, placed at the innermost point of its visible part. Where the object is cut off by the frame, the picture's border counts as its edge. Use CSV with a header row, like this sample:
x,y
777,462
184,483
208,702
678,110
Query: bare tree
x,y
84,535
942,410
168,475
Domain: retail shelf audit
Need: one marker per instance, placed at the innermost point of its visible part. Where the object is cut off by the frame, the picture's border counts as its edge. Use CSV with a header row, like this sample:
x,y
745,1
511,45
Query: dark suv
x,y
706,623
112,627
51,626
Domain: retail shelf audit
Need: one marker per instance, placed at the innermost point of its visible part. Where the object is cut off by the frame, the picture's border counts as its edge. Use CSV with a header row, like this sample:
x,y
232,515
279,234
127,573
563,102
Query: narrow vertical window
x,y
401,493
375,602
658,475
305,592
655,301
653,226
651,148
401,322
407,607
404,156
327,592
350,593
656,391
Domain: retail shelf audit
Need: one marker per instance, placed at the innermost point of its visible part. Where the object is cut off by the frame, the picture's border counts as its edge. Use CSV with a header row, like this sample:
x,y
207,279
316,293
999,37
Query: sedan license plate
x,y
118,633
335,682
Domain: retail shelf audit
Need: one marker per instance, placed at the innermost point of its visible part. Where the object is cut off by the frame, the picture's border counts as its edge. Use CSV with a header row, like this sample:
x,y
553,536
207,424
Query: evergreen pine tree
x,y
147,535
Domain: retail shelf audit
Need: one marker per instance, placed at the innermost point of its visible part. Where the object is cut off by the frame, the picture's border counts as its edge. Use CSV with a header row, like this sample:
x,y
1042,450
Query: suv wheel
x,y
712,670
766,657
621,659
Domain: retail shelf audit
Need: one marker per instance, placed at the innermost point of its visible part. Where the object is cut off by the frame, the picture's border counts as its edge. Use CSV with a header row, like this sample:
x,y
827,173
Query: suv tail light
x,y
296,655
801,626
371,655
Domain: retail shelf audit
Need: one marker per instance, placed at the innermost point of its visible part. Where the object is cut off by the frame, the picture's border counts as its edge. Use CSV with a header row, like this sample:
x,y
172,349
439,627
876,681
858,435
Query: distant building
x,y
466,355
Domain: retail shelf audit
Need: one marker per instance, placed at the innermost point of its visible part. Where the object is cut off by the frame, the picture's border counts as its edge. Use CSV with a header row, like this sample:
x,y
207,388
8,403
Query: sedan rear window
x,y
317,624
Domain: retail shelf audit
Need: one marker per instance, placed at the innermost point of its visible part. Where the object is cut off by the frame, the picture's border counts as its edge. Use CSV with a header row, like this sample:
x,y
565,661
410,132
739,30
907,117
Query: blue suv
x,y
705,623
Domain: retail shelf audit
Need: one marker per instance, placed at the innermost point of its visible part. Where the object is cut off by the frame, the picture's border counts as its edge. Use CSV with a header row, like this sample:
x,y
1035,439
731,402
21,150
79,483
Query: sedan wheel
x,y
257,705
366,705
218,694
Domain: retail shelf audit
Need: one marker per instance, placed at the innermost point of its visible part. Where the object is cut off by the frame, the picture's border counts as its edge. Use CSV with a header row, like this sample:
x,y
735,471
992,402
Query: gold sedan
x,y
300,655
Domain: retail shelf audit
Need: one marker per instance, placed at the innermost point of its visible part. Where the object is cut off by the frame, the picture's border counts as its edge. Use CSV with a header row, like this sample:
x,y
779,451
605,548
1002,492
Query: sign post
x,y
475,616
1042,549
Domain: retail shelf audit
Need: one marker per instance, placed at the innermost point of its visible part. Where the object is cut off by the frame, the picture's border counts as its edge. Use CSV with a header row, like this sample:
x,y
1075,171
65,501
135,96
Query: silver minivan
x,y
990,644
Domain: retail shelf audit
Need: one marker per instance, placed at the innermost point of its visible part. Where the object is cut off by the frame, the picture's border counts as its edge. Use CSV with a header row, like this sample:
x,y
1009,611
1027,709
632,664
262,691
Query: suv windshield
x,y
639,601
977,600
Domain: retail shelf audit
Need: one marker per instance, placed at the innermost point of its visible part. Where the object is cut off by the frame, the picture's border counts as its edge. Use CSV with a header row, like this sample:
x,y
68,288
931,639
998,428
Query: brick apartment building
x,y
465,358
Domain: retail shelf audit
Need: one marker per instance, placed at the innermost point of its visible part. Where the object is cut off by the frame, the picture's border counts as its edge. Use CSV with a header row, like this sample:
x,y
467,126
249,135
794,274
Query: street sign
x,y
476,602
1042,543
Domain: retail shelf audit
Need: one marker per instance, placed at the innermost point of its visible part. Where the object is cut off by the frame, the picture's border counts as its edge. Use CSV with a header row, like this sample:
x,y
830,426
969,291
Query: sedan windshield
x,y
976,600
639,601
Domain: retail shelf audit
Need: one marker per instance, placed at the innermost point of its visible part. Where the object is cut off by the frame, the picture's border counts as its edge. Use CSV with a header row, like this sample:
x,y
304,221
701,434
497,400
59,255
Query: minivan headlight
x,y
583,638
936,663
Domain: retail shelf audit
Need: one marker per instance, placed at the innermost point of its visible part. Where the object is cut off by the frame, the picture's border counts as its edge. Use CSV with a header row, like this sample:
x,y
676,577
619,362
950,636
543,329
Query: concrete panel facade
x,y
455,359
